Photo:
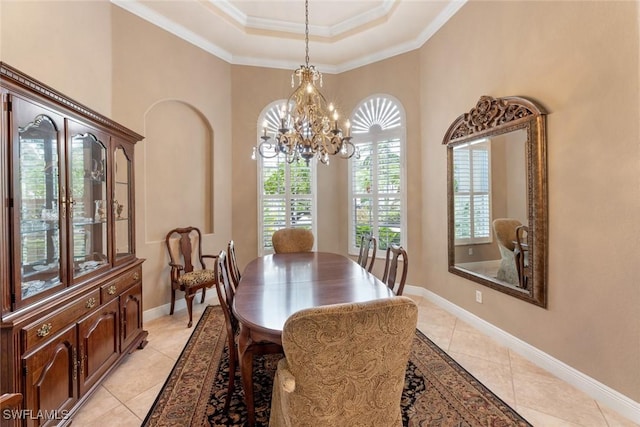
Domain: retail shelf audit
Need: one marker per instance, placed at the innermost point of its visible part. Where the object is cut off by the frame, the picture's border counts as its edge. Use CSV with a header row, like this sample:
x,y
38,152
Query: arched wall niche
x,y
178,165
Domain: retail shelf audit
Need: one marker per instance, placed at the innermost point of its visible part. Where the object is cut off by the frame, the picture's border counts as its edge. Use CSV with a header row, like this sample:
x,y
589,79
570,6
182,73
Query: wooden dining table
x,y
273,287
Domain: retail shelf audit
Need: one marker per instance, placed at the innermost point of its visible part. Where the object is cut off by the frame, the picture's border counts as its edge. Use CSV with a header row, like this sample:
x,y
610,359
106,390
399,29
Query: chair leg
x,y
232,374
173,300
204,291
188,296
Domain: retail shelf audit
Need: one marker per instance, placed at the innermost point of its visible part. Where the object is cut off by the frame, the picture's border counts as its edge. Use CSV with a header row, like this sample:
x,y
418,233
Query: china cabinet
x,y
70,282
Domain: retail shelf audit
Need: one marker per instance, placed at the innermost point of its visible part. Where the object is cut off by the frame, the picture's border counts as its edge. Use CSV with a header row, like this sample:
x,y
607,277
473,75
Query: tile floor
x,y
126,395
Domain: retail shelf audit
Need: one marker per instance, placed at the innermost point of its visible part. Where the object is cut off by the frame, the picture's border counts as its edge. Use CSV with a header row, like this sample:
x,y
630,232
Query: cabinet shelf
x,y
34,228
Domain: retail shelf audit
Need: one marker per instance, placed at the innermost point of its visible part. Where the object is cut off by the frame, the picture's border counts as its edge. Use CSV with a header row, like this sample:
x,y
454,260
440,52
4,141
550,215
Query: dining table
x,y
273,287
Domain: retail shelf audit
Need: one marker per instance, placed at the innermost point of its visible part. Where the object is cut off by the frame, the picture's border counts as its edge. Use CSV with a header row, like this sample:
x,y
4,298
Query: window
x,y
377,178
286,192
472,192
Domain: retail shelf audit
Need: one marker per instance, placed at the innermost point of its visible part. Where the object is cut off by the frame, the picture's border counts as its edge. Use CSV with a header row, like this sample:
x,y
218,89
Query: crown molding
x,y
225,6
170,26
278,26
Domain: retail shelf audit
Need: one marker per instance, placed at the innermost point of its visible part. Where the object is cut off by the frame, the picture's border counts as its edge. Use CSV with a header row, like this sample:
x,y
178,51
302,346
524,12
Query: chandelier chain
x,y
306,31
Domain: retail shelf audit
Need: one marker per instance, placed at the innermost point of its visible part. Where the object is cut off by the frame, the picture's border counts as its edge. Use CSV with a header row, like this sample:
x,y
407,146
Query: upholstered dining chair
x,y
226,295
505,232
367,243
395,254
344,364
288,240
234,270
188,270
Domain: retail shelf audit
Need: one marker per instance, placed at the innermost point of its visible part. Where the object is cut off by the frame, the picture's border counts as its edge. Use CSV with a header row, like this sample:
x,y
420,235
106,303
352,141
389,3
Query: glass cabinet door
x,y
88,201
36,197
122,204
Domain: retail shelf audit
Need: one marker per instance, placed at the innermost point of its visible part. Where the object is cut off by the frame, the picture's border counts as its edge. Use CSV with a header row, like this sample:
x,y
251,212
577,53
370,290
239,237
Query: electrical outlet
x,y
479,297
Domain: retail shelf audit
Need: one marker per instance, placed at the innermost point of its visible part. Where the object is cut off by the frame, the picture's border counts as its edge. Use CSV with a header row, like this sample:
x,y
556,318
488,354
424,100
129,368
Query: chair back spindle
x,y
367,243
395,254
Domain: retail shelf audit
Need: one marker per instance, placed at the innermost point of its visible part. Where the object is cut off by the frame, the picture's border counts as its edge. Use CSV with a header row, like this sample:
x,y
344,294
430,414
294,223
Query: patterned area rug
x,y
437,392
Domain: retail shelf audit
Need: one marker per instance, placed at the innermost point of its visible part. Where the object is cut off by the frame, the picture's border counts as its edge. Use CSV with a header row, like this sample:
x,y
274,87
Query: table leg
x,y
246,371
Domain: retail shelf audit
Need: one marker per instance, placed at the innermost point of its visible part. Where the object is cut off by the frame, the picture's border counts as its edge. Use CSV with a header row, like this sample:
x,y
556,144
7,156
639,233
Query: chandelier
x,y
308,125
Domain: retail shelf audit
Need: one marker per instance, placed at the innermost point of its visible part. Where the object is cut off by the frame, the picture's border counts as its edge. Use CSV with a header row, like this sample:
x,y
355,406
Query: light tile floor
x,y
125,397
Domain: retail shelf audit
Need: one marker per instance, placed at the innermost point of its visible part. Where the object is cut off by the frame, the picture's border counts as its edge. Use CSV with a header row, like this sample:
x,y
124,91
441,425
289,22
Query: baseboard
x,y
163,310
595,389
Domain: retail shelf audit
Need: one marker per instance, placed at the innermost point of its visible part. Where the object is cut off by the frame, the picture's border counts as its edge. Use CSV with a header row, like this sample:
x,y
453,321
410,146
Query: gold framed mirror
x,y
497,197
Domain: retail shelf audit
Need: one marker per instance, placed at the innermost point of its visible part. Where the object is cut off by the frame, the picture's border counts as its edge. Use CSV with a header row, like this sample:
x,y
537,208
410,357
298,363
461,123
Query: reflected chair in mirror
x,y
505,232
521,255
226,294
395,254
234,270
188,270
289,240
368,243
322,381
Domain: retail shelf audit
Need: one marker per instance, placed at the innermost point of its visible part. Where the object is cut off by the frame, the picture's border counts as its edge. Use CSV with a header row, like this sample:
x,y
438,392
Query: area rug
x,y
437,392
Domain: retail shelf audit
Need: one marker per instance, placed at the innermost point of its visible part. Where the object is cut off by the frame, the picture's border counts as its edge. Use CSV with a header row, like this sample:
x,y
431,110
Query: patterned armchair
x,y
344,365
188,270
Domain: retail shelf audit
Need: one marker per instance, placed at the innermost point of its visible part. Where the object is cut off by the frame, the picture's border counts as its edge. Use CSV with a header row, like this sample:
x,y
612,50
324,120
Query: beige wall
x,y
178,96
580,60
66,45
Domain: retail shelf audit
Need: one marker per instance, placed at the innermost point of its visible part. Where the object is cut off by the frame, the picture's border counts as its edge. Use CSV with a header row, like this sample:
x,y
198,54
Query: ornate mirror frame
x,y
489,118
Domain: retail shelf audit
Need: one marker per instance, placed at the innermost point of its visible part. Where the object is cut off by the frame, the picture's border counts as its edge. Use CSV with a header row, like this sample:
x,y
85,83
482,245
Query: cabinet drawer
x,y
114,288
38,332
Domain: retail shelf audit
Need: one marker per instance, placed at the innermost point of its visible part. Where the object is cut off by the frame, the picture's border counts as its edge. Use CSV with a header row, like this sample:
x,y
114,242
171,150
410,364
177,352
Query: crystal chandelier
x,y
308,125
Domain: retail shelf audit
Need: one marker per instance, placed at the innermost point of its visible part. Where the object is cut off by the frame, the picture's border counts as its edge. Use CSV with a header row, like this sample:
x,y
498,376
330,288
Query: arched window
x,y
377,183
286,192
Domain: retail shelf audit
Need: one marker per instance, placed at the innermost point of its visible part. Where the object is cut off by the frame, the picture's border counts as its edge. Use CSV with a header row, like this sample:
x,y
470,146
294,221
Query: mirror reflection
x,y
497,196
490,202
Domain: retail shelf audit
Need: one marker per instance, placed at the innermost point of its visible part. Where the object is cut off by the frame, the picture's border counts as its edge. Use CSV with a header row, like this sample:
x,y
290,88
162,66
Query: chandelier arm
x,y
266,146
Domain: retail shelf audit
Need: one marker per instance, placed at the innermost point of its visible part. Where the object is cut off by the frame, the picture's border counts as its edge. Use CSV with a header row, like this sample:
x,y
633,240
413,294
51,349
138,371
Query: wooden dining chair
x,y
395,253
188,270
234,270
226,295
288,240
367,243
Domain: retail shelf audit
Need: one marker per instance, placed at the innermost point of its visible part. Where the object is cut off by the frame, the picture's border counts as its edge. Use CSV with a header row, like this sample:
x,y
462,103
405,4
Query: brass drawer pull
x,y
91,302
44,330
136,276
111,289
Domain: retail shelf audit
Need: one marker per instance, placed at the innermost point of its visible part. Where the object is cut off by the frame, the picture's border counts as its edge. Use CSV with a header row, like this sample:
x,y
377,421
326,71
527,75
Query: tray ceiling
x,y
343,34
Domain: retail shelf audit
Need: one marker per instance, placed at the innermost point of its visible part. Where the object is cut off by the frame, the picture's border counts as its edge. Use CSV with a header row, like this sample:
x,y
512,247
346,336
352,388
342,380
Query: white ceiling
x,y
344,34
